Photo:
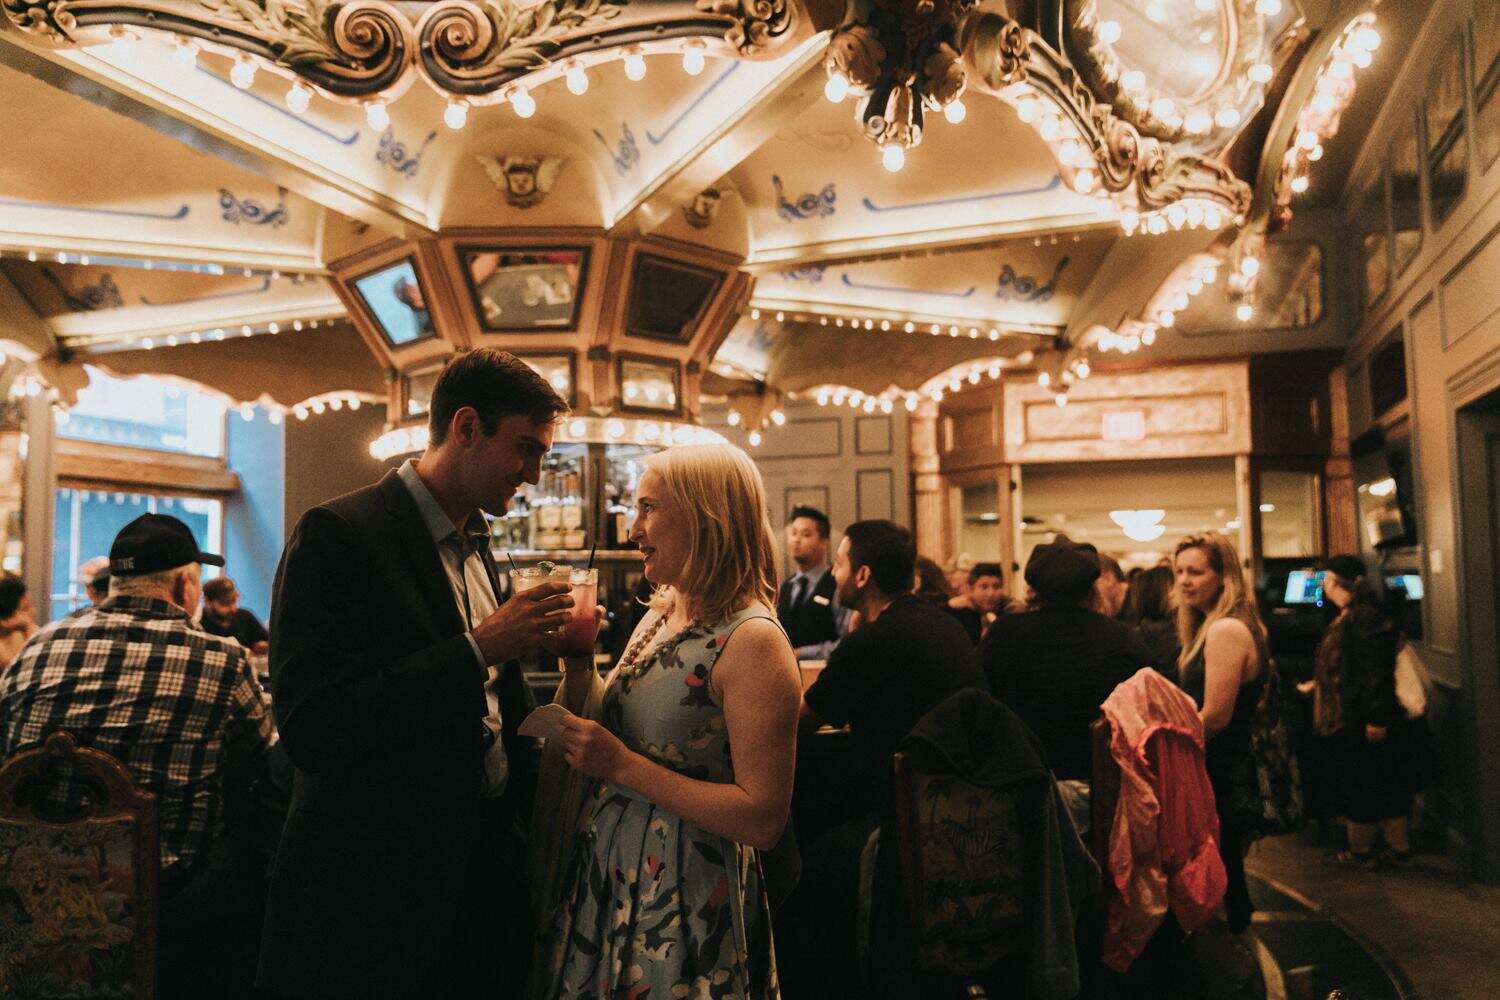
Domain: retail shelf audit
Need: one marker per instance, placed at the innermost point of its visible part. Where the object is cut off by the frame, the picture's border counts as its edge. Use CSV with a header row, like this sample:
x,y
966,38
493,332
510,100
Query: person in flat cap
x,y
138,679
1054,666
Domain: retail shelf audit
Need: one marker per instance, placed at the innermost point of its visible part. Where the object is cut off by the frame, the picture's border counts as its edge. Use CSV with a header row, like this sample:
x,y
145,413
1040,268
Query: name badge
x,y
820,599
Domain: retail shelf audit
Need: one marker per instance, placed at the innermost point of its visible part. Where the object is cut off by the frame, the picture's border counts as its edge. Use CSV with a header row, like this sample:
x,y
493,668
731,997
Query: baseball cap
x,y
1062,570
153,543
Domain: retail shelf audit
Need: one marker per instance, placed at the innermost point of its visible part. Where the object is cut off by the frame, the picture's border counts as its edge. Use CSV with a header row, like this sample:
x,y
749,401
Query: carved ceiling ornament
x,y
1247,39
902,57
470,51
1096,148
347,49
704,208
524,181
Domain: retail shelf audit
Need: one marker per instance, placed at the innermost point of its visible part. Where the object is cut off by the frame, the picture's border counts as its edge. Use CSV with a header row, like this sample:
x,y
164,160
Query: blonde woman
x,y
690,751
1223,666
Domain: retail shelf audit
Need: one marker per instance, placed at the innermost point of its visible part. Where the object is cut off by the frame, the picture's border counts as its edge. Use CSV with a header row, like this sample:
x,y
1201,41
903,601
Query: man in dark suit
x,y
806,605
401,865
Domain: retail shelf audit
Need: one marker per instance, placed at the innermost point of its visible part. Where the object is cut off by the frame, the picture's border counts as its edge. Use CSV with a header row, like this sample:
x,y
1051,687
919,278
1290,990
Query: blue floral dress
x,y
657,907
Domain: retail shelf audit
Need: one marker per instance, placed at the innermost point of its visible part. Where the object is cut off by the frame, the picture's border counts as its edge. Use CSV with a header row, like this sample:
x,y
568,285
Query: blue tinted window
x,y
145,413
85,523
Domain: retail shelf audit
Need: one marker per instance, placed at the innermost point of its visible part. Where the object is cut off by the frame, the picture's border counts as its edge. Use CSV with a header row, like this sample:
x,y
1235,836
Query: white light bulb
x,y
456,115
377,116
578,78
1050,129
242,75
1027,110
1149,337
692,60
1129,220
955,112
1299,183
635,66
893,157
1199,122
778,418
1269,8
1163,107
1244,312
1361,58
755,439
1367,38
1315,154
298,98
1133,80
1044,380
1261,73
911,402
733,418
1109,32
1083,181
886,406
522,103
1167,318
1307,139
1250,267
1228,117
1061,399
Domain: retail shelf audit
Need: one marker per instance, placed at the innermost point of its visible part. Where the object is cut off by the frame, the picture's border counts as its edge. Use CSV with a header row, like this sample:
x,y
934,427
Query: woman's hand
x,y
1375,734
592,749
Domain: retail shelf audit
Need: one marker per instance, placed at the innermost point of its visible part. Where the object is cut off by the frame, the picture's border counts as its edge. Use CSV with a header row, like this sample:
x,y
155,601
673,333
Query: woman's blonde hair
x,y
731,560
1235,599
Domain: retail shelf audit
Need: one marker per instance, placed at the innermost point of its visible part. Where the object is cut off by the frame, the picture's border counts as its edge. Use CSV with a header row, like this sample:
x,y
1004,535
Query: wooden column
x,y
929,493
1247,496
1340,527
1009,508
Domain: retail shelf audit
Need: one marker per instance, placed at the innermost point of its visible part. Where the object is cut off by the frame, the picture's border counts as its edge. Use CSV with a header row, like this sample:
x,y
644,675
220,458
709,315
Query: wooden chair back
x,y
78,902
963,865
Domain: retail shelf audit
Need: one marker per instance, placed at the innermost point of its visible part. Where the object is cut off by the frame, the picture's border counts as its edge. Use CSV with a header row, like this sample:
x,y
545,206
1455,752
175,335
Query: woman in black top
x,y
1355,702
1224,669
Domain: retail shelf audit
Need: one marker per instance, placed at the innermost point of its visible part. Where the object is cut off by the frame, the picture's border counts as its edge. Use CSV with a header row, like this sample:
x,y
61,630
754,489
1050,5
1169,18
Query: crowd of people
x,y
657,841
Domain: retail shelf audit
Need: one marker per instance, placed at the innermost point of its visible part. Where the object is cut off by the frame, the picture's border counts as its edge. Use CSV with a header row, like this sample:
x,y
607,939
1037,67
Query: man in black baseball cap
x,y
175,705
153,543
1054,666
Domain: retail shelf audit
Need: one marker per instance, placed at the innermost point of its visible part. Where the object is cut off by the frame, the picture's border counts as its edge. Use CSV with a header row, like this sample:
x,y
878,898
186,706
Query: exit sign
x,y
1125,425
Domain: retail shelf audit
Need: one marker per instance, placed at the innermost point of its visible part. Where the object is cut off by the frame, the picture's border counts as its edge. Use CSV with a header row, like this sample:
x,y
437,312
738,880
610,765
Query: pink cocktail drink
x,y
577,635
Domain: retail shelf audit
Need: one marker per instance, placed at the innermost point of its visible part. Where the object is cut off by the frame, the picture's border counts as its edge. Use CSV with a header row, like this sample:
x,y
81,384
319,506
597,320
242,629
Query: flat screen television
x,y
1303,586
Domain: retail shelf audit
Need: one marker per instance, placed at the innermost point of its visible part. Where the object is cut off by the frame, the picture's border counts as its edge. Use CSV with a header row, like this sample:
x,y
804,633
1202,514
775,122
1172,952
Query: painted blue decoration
x,y
393,154
280,109
90,298
1025,288
808,206
626,153
657,140
1053,184
248,211
177,216
265,284
851,283
812,274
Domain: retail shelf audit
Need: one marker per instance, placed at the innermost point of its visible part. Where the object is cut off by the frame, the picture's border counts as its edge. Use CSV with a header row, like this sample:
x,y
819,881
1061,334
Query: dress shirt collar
x,y
438,523
814,577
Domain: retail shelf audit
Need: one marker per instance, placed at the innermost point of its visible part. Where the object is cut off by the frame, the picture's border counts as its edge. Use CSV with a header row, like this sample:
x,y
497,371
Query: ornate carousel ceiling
x,y
870,201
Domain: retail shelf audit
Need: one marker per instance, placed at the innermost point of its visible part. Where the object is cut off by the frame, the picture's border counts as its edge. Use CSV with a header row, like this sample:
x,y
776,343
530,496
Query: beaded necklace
x,y
629,665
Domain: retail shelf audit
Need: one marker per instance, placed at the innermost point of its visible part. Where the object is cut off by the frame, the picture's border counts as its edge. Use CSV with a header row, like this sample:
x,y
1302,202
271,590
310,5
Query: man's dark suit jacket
x,y
380,703
810,622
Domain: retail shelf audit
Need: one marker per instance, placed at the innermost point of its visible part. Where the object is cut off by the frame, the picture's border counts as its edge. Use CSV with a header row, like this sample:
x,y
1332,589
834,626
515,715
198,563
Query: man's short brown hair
x,y
497,384
220,588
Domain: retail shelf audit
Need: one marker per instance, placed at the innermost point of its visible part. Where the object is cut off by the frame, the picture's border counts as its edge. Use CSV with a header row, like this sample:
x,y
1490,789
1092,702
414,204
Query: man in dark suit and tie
x,y
806,605
401,871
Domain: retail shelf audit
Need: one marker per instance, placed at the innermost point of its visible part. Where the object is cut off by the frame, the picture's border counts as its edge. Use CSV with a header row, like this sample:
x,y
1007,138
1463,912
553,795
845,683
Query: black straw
x,y
512,561
592,550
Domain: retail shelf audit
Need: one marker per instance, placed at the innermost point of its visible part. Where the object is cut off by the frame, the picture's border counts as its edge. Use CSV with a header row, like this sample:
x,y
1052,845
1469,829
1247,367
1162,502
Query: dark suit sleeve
x,y
334,705
253,628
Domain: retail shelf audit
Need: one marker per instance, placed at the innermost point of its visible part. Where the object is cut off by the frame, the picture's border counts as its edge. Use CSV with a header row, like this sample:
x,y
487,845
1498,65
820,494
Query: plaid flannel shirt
x,y
137,678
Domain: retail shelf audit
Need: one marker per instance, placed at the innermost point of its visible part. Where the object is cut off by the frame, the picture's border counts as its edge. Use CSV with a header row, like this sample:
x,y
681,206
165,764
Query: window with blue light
x,y
145,413
85,523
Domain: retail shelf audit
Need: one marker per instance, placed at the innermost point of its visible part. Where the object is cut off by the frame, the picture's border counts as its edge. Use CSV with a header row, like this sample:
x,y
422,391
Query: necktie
x,y
799,590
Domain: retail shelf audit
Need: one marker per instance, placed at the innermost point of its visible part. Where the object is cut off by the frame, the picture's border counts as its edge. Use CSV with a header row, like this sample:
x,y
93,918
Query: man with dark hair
x,y
807,606
17,620
402,862
136,678
977,608
223,616
1055,666
905,657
